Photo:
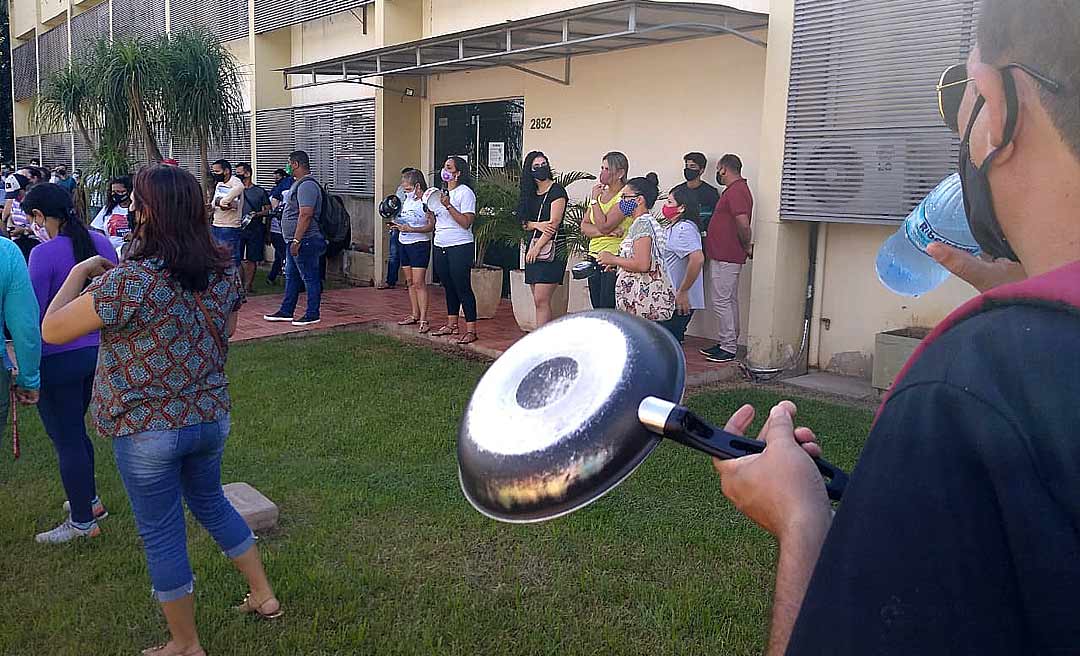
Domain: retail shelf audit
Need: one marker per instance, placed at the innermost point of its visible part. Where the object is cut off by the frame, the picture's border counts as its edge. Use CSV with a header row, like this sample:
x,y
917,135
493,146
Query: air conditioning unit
x,y
858,177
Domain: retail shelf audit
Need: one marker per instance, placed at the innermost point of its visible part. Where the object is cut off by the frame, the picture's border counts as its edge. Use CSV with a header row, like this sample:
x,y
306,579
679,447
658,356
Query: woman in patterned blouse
x,y
160,390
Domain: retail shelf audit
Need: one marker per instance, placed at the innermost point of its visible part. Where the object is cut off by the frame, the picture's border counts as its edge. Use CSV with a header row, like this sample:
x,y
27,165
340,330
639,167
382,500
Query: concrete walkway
x,y
367,306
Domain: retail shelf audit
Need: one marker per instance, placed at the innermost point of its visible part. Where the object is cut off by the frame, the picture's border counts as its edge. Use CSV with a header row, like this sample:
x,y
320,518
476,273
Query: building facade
x,y
829,103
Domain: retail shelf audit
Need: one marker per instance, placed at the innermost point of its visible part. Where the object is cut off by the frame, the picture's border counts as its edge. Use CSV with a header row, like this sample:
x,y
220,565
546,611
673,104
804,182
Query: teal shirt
x,y
19,312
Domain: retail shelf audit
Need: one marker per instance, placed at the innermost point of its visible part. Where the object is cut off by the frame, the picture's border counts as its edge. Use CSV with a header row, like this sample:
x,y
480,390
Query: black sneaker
x,y
277,316
306,321
721,356
714,350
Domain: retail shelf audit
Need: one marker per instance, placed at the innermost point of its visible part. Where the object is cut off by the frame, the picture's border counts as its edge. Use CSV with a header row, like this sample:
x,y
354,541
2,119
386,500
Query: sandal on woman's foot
x,y
468,338
407,321
445,330
425,326
168,650
258,608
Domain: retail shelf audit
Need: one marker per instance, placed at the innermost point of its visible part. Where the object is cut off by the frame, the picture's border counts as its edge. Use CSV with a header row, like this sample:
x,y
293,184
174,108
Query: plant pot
x,y
487,287
891,351
522,298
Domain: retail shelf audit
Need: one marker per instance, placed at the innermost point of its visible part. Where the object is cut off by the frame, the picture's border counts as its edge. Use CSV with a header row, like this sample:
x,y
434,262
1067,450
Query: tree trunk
x,y
153,153
204,166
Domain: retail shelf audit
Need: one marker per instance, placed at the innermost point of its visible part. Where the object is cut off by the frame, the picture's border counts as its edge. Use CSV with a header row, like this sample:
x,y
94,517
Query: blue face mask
x,y
627,206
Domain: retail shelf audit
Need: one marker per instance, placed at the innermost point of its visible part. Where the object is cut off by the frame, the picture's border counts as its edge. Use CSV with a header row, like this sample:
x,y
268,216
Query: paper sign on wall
x,y
496,154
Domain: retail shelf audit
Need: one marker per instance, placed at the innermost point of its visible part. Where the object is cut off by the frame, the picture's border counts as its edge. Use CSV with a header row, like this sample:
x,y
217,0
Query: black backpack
x,y
334,221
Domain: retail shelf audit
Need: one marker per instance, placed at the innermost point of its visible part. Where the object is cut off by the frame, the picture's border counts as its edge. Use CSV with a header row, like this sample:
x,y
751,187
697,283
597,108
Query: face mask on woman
x,y
542,173
117,199
446,176
670,212
627,206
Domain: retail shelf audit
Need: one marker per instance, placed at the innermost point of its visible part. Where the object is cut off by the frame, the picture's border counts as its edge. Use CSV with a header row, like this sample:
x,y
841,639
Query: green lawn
x,y
353,435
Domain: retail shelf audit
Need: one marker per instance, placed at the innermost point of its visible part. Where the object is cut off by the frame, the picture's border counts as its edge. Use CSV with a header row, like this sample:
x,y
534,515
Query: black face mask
x,y
118,198
975,182
542,173
720,179
691,174
218,177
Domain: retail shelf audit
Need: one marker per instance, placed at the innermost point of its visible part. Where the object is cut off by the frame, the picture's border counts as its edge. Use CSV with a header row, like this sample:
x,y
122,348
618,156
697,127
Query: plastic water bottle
x,y
902,263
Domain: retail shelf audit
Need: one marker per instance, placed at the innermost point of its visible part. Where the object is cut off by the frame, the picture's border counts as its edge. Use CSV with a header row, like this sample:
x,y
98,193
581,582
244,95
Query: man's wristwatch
x,y
295,241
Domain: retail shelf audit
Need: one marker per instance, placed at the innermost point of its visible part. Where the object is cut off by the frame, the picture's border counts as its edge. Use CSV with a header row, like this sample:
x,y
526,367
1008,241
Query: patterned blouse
x,y
159,367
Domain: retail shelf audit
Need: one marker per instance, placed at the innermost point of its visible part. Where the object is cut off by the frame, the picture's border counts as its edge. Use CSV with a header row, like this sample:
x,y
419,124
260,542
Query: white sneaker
x,y
67,532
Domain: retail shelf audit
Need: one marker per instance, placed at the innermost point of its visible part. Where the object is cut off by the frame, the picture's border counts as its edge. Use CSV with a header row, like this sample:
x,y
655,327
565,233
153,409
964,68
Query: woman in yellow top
x,y
605,224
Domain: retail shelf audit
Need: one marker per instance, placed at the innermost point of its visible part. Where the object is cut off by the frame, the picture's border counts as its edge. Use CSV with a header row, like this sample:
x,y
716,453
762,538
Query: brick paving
x,y
367,306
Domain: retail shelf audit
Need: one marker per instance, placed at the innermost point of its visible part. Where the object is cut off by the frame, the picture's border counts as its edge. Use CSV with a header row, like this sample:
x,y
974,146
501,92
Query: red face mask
x,y
670,211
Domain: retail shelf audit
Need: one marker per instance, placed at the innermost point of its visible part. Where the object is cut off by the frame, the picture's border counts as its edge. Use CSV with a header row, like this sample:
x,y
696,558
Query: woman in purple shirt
x,y
67,372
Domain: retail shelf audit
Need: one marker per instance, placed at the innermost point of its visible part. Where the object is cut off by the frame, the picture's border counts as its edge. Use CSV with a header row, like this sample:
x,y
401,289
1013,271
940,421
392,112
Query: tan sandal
x,y
249,607
425,326
407,321
445,331
468,338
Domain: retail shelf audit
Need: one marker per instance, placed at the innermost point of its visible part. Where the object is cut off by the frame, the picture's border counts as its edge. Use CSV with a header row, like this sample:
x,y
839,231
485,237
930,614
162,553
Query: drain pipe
x,y
765,374
814,356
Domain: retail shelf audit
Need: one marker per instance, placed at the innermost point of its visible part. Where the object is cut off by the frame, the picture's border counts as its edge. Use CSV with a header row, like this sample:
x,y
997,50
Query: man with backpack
x,y
302,227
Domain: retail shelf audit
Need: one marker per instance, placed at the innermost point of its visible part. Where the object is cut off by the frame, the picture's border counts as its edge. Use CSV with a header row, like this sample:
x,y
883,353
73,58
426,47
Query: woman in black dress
x,y
541,210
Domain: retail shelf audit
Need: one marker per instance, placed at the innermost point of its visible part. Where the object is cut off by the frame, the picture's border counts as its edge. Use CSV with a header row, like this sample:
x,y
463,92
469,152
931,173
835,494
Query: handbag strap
x,y
210,324
540,212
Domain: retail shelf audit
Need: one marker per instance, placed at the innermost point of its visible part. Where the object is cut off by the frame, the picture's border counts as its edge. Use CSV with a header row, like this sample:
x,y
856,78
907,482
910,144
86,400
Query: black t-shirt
x,y
255,198
959,532
531,209
707,197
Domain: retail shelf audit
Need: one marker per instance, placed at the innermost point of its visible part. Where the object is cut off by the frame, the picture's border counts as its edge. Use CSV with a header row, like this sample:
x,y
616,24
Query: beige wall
x,y
53,11
23,17
855,306
326,38
444,16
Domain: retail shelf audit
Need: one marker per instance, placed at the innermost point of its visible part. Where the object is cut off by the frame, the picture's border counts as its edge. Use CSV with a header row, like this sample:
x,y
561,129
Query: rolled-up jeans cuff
x,y
173,595
241,549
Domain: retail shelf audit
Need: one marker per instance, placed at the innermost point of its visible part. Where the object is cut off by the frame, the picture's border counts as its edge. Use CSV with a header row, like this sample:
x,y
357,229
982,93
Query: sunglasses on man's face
x,y
953,84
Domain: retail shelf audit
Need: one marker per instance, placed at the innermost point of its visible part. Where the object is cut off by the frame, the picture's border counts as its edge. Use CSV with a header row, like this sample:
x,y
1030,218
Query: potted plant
x,y
496,205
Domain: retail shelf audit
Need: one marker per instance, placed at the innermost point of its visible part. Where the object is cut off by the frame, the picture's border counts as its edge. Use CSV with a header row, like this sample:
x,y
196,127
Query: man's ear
x,y
1000,120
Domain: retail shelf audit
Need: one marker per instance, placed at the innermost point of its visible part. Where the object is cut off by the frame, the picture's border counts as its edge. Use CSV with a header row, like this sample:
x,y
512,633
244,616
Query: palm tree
x,y
69,97
132,79
202,104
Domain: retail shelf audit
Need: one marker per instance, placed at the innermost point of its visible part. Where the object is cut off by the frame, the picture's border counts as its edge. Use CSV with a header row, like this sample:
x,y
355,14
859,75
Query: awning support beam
x,y
564,80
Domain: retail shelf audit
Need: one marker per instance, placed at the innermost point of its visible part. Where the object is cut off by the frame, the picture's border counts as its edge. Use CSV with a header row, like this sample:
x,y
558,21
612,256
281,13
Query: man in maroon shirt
x,y
727,245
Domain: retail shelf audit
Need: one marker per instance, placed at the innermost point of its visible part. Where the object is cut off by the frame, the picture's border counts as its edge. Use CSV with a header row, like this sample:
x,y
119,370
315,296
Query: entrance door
x,y
488,135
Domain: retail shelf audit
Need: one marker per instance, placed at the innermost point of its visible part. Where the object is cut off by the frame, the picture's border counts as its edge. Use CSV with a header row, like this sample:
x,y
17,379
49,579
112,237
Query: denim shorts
x,y
416,255
230,239
159,468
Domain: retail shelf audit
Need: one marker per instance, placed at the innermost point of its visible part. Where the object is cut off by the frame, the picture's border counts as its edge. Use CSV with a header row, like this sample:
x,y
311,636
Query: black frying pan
x,y
572,409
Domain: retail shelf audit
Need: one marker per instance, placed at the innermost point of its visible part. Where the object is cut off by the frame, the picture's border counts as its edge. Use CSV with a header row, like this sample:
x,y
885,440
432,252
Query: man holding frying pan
x,y
959,532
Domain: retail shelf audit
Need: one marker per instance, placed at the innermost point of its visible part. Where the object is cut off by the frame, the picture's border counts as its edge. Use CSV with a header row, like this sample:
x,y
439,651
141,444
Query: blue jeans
x,y
232,239
67,380
160,467
303,271
395,259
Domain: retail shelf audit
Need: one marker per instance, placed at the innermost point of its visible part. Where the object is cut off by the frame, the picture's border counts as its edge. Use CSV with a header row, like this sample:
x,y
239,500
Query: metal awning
x,y
598,28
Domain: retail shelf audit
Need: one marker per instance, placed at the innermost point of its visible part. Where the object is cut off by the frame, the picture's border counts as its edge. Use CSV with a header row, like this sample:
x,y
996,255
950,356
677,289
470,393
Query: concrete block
x,y
260,513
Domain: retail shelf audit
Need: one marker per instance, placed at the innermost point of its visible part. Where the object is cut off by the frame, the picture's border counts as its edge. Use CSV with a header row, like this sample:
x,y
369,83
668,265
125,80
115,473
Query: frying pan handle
x,y
683,426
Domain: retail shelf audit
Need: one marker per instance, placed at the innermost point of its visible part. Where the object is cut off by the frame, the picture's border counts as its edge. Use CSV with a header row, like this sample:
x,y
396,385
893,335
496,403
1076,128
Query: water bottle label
x,y
921,234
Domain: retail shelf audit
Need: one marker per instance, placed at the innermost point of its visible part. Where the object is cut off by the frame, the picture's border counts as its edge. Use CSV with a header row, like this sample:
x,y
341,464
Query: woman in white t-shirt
x,y
683,258
454,248
415,224
113,221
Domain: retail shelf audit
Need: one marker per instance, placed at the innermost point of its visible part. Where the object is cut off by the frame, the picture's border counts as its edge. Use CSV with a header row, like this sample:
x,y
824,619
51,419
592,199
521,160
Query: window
x,y
864,141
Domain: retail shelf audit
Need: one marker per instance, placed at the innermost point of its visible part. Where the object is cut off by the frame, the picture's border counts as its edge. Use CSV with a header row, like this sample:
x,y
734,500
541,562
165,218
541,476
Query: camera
x,y
586,269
